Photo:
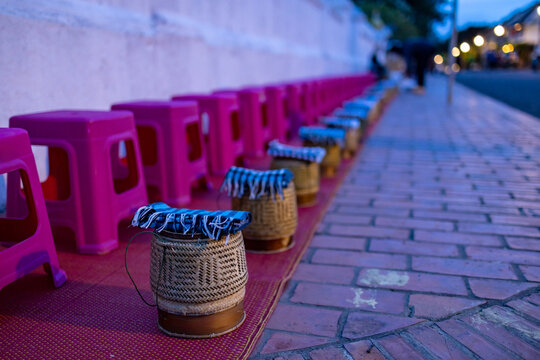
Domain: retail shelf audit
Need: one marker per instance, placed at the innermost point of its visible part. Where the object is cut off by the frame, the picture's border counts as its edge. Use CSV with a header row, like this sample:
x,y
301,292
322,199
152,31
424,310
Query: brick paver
x,y
431,248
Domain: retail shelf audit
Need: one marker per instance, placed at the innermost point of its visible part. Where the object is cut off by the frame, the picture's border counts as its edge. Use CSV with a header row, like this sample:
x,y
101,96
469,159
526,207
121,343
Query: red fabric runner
x,y
97,313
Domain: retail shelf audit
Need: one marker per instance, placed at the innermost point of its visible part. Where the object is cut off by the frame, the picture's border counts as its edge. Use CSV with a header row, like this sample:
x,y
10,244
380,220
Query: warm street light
x,y
438,59
517,27
455,68
478,40
499,30
465,47
507,48
455,52
538,10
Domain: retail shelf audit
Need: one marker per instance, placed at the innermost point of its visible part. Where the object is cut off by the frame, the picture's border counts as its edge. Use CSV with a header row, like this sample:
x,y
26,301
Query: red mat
x,y
97,313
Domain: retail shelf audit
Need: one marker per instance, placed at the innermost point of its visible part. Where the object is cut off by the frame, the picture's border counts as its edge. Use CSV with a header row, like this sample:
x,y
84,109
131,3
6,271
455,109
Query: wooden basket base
x,y
203,326
269,246
328,171
305,200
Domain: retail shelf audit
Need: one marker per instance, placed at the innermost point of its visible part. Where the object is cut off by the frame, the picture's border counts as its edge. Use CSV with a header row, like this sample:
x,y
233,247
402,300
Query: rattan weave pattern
x,y
272,219
211,307
333,154
195,270
352,137
306,174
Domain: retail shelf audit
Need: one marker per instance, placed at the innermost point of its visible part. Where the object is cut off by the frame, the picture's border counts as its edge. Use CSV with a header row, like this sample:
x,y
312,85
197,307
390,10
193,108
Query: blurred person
x,y
395,63
418,53
535,58
377,68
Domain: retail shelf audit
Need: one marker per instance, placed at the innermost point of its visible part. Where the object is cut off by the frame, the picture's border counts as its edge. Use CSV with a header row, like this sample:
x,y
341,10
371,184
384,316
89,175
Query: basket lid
x,y
342,123
306,153
239,180
213,224
323,136
357,113
362,103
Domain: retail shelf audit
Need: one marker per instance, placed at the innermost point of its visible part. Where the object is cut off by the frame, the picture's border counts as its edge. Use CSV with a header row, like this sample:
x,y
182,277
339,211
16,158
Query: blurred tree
x,y
406,18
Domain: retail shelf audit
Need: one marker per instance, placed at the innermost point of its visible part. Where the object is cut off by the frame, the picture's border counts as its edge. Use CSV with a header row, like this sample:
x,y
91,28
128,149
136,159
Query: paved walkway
x,y
431,249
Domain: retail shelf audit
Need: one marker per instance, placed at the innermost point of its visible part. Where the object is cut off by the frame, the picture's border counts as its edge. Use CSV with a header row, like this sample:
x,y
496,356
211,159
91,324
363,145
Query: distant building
x,y
524,26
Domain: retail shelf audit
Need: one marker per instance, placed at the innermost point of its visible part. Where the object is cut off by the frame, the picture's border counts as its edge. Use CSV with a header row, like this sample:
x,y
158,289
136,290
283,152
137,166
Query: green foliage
x,y
407,18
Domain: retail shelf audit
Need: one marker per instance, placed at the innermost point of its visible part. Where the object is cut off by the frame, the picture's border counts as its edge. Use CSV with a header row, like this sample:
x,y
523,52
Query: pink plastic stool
x,y
221,130
253,119
276,108
295,111
27,238
173,154
309,102
82,191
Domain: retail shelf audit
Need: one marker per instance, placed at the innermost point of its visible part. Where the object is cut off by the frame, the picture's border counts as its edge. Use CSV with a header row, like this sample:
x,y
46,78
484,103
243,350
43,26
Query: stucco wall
x,y
88,54
91,53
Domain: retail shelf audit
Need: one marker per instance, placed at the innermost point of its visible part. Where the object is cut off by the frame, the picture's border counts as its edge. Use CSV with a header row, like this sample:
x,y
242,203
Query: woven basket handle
x,y
127,270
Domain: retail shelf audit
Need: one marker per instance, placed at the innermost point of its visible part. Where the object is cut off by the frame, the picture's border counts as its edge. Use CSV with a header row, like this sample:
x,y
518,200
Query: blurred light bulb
x,y
438,59
517,27
538,10
455,52
499,30
478,40
455,67
507,48
465,47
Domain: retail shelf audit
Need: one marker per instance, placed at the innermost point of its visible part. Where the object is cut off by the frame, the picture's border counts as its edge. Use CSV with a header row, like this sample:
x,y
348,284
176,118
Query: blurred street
x,y
519,89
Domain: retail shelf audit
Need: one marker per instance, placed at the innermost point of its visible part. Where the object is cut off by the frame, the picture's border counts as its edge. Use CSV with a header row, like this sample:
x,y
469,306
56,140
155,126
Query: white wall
x,y
91,53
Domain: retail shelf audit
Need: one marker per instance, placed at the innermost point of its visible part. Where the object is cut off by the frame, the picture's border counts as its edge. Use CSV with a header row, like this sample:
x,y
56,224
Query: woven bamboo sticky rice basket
x,y
306,178
199,284
352,138
331,161
273,221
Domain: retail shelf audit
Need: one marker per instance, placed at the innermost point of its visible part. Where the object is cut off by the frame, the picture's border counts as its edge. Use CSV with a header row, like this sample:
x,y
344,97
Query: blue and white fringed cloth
x,y
312,154
342,123
358,113
366,103
239,181
212,224
323,136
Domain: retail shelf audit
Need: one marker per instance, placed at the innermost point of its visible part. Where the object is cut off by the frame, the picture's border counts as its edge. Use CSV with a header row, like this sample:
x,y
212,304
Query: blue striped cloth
x,y
359,113
211,224
238,181
366,103
343,123
313,154
322,136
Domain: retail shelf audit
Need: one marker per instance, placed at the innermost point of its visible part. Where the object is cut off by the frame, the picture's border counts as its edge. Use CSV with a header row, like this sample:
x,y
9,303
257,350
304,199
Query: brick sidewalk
x,y
431,248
